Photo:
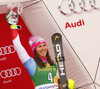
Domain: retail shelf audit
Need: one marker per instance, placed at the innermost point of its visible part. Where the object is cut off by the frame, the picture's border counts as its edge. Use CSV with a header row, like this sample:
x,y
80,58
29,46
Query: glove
x,y
71,84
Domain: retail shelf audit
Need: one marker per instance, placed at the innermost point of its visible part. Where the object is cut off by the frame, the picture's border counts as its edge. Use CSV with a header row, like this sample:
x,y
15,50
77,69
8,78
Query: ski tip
x,y
56,36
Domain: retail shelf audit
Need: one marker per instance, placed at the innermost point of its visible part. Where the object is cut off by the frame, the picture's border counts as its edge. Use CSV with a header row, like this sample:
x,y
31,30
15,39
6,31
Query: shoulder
x,y
30,61
30,65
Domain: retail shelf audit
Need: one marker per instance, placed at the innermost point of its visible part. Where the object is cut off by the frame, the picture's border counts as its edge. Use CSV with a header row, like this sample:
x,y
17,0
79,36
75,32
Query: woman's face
x,y
42,50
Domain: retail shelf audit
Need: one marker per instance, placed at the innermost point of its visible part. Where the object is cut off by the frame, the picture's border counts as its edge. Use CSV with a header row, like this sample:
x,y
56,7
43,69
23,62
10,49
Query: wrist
x,y
14,26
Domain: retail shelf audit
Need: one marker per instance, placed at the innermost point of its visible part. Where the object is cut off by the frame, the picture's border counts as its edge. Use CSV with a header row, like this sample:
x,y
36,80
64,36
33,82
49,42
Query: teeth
x,y
43,52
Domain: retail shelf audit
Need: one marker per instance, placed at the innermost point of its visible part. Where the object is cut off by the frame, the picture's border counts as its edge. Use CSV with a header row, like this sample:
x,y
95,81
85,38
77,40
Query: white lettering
x,y
7,81
58,50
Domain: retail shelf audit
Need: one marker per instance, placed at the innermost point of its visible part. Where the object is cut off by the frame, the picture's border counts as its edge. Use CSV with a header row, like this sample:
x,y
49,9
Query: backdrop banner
x,y
13,75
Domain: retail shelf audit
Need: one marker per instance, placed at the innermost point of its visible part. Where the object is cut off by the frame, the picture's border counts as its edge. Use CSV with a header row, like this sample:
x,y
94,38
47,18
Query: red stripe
x,y
14,33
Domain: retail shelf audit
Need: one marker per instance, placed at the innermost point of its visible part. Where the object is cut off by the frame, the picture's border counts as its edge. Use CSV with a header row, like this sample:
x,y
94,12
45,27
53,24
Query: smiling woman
x,y
41,60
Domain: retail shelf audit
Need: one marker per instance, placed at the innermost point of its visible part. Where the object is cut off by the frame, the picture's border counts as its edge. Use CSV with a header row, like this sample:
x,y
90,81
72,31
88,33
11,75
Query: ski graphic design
x,y
59,56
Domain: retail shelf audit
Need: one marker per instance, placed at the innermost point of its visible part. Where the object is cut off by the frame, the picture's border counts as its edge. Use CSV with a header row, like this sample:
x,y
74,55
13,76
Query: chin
x,y
43,56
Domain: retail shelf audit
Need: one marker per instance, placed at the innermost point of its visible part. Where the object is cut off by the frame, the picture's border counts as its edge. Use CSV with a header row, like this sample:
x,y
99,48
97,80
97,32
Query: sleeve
x,y
30,65
23,55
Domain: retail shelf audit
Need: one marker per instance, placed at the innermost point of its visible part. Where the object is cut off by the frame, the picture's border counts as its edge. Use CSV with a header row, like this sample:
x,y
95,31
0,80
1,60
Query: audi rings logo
x,y
10,72
82,5
7,50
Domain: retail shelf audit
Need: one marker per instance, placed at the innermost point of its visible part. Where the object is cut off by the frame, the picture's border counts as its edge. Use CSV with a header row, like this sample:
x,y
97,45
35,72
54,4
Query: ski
x,y
59,56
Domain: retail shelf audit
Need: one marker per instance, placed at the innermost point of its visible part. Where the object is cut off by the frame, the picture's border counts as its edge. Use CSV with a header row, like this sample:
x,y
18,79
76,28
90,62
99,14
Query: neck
x,y
44,59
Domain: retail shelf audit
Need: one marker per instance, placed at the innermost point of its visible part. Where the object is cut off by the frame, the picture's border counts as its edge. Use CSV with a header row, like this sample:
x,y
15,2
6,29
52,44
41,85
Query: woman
x,y
41,69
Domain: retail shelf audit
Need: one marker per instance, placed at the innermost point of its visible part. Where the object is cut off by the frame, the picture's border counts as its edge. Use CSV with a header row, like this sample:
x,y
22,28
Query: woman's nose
x,y
42,47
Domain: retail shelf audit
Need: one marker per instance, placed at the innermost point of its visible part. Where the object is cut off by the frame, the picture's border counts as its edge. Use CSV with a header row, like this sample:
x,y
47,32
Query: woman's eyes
x,y
42,45
39,46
